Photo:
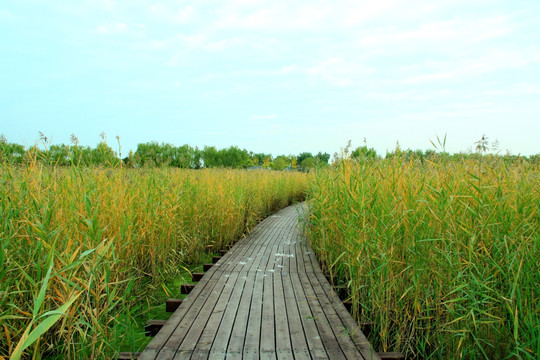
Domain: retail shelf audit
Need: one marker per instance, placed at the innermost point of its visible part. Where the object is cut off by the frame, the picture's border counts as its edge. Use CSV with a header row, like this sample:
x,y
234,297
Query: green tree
x,y
308,163
59,155
303,156
234,157
185,157
210,157
261,158
280,163
10,152
364,153
322,158
104,155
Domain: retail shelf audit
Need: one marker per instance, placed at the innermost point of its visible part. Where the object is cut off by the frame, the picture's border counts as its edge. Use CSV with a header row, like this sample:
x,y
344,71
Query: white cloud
x,y
195,40
224,44
157,8
6,15
367,10
211,42
451,33
326,15
185,14
173,14
277,17
411,95
263,117
519,89
337,71
112,28
465,67
109,4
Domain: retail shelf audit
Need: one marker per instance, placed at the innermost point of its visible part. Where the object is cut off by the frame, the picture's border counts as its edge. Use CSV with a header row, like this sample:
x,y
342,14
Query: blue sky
x,y
272,76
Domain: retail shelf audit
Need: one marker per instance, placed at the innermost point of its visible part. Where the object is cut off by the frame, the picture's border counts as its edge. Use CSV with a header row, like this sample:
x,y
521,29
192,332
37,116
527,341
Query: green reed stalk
x,y
441,256
114,236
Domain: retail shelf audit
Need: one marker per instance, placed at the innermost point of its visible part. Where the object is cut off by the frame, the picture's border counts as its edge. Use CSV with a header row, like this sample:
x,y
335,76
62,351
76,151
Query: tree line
x,y
154,154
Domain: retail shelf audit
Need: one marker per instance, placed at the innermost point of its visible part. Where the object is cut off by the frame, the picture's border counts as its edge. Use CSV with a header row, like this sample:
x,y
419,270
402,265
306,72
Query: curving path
x,y
265,299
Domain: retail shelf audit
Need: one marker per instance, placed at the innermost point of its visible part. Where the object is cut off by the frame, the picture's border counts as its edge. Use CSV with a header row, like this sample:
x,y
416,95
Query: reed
x,y
442,256
82,248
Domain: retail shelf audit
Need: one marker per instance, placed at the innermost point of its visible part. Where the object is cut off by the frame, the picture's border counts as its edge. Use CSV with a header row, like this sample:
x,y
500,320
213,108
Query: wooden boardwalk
x,y
265,299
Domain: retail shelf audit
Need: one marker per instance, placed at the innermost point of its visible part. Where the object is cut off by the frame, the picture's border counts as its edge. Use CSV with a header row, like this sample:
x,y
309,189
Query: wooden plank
x,y
188,314
289,266
221,341
187,288
186,336
172,304
239,329
200,292
148,354
152,327
239,259
359,339
196,355
340,331
297,334
313,338
268,330
166,354
283,336
126,356
196,277
207,337
328,338
267,345
253,333
207,267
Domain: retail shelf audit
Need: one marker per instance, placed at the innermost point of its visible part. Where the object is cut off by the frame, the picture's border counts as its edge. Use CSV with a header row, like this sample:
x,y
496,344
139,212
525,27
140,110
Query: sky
x,y
279,77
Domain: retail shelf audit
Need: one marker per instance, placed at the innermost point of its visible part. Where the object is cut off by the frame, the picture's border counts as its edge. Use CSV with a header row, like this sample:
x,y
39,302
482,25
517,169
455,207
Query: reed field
x,y
441,256
82,247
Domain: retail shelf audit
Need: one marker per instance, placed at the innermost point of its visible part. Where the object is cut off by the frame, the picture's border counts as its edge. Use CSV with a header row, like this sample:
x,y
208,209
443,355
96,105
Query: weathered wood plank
x,y
238,334
128,356
186,338
207,338
221,341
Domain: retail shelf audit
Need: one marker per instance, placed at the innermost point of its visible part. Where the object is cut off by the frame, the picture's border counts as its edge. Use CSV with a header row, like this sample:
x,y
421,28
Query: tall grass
x,y
80,247
443,257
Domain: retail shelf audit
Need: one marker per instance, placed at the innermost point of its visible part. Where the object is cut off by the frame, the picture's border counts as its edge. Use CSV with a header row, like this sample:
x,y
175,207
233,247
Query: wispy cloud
x,y
203,42
449,33
411,95
491,61
173,13
263,117
6,15
107,29
336,71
